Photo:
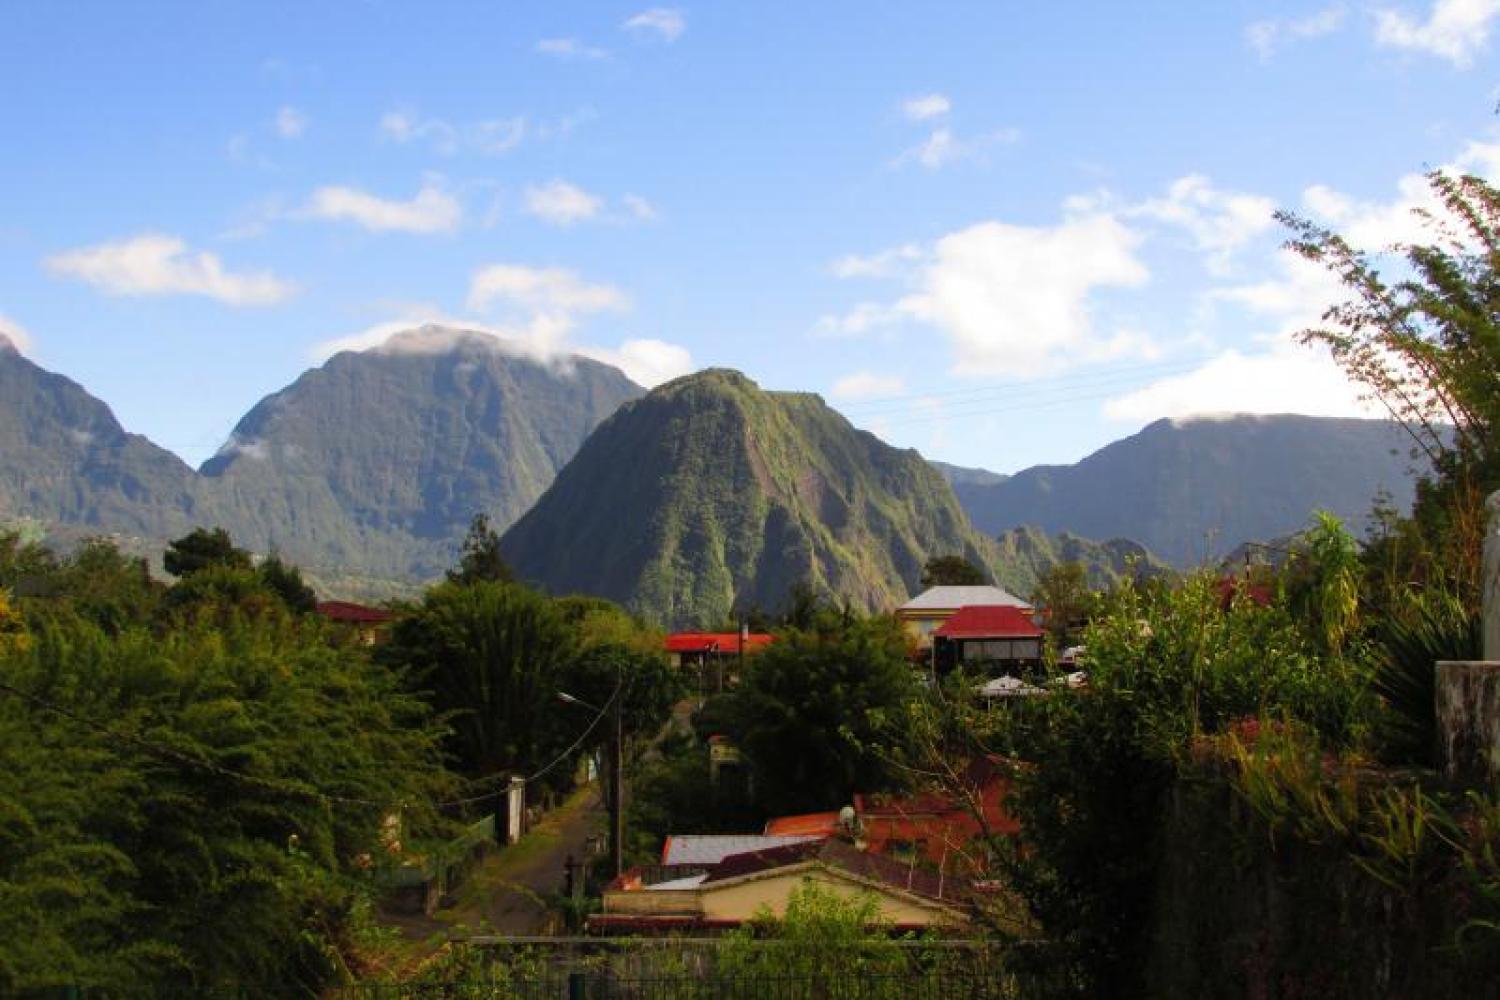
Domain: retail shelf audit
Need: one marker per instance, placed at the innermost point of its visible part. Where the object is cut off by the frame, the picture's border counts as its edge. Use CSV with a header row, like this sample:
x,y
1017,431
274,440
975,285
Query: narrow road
x,y
516,881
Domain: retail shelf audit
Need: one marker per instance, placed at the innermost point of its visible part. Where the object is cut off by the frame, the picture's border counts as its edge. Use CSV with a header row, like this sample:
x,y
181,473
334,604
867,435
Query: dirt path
x,y
507,893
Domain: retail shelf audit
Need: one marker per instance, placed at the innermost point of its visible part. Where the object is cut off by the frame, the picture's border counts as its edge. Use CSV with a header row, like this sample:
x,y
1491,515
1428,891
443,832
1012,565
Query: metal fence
x,y
590,986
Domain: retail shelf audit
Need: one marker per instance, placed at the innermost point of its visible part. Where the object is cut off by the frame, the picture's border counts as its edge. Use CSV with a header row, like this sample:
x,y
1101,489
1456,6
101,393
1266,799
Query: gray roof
x,y
953,598
710,849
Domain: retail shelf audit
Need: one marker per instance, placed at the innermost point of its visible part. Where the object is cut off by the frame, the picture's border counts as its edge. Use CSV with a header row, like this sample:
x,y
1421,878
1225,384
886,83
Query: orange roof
x,y
824,824
715,642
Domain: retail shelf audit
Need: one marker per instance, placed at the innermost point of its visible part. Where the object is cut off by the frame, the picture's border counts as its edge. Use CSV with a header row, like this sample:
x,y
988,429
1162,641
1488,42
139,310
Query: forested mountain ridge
x,y
1190,490
372,464
710,495
376,461
67,459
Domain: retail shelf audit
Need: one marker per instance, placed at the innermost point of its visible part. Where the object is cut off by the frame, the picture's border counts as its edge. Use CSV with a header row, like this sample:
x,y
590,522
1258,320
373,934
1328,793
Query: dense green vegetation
x,y
710,496
205,783
200,783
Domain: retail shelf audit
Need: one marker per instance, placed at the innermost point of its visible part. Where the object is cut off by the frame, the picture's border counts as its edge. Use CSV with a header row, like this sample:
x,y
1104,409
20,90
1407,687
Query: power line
x,y
1012,390
281,785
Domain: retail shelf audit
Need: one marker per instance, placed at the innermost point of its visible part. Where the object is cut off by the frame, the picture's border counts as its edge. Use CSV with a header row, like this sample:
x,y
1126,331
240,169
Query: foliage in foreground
x,y
196,805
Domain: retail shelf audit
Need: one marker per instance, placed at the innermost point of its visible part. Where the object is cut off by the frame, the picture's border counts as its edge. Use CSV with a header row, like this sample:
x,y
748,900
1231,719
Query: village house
x,y
716,656
738,888
995,640
369,624
925,614
934,828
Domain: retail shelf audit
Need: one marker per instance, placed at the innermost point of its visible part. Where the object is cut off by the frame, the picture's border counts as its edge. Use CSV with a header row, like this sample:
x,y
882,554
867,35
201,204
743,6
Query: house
x,y
715,655
925,613
996,639
711,848
937,828
739,887
370,624
698,648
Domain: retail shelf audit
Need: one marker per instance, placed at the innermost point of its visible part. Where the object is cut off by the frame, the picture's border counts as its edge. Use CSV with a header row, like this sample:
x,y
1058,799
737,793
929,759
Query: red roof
x,y
989,621
823,824
715,642
344,611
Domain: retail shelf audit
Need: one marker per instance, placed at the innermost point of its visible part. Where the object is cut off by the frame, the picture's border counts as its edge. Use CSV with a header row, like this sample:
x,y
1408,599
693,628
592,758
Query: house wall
x,y
742,901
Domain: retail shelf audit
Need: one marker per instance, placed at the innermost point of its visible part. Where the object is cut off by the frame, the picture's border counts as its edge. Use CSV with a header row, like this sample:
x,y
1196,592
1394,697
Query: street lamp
x,y
616,775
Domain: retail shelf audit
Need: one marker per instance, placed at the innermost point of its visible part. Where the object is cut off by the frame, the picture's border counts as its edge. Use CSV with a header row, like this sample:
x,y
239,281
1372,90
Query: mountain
x,y
1028,552
366,470
710,494
957,475
1190,490
67,459
376,461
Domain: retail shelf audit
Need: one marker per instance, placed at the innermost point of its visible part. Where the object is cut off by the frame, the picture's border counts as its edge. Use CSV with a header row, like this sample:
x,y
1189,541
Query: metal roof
x,y
710,849
953,598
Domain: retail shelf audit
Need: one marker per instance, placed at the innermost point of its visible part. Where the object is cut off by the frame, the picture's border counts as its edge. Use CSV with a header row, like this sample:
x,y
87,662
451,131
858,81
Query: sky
x,y
1001,233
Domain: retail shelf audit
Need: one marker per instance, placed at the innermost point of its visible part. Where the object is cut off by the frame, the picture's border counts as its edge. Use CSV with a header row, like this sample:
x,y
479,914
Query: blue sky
x,y
1001,233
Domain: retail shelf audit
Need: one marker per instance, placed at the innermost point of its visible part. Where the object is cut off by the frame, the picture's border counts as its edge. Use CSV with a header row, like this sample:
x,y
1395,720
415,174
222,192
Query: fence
x,y
594,986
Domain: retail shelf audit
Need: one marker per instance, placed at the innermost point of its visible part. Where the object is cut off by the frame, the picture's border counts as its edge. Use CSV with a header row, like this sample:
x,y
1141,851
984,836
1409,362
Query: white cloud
x,y
432,210
666,22
570,48
1220,222
158,264
1284,378
862,319
864,385
562,204
885,264
541,330
646,362
639,208
550,290
1265,37
1373,225
15,334
491,136
1014,300
1455,30
927,106
290,123
942,147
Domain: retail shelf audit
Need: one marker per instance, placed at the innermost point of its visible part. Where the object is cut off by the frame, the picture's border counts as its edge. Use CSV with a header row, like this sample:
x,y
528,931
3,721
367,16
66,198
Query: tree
x,y
1064,591
187,809
814,709
1426,347
952,571
202,548
285,581
481,559
488,656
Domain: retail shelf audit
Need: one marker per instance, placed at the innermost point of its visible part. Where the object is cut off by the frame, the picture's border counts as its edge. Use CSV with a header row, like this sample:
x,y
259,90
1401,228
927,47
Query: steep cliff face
x,y
377,461
710,494
65,458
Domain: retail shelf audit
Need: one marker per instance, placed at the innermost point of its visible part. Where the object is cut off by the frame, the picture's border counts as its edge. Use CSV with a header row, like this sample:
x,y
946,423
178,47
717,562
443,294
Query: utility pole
x,y
617,785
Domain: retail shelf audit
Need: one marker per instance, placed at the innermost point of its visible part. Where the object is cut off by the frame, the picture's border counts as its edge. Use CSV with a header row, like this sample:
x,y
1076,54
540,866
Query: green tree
x,y
1425,345
489,657
480,558
285,581
193,808
952,571
201,548
814,710
838,946
1063,590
